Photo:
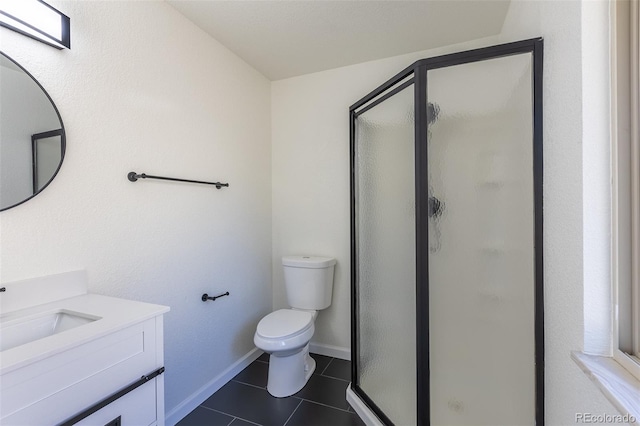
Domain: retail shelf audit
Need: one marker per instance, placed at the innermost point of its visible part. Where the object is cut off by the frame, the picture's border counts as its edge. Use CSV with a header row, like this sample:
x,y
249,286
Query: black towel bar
x,y
133,176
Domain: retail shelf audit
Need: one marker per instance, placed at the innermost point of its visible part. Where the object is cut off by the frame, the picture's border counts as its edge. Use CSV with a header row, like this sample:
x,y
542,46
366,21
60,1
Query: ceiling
x,y
283,38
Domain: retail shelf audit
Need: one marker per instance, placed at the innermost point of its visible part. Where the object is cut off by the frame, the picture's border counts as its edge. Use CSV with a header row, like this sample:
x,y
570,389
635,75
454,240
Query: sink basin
x,y
20,331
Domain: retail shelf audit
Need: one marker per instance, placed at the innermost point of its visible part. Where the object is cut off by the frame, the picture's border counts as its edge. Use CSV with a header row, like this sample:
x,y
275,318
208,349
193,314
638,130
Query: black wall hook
x,y
206,297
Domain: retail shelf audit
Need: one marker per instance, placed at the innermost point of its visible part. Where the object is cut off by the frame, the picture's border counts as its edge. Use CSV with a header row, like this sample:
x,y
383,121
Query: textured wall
x,y
144,89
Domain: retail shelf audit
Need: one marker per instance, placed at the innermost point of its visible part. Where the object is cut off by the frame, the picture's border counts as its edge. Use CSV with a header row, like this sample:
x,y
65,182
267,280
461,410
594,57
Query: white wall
x,y
143,89
310,151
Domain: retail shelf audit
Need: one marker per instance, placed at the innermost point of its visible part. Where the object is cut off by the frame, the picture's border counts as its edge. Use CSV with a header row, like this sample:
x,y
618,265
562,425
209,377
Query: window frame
x,y
625,136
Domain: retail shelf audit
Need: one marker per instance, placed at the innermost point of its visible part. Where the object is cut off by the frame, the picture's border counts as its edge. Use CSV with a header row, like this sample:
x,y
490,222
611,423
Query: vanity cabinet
x,y
61,386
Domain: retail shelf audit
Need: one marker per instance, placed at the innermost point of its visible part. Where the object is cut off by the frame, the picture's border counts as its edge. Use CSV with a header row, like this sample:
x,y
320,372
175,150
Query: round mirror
x,y
32,138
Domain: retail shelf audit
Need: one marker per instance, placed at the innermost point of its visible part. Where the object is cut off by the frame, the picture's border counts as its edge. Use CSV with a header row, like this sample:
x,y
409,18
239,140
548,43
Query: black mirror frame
x,y
63,138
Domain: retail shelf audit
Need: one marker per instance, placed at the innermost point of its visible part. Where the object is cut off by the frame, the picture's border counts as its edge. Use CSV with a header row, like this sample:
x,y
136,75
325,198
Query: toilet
x,y
285,333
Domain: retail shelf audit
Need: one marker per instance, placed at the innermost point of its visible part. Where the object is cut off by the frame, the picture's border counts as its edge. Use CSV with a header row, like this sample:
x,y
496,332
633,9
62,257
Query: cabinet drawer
x,y
137,408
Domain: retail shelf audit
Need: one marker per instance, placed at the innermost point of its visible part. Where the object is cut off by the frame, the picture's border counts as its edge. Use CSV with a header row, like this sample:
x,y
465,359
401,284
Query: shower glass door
x,y
481,243
386,320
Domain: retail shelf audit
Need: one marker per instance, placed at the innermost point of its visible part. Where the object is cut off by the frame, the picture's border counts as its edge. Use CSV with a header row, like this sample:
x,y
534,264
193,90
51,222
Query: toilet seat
x,y
284,324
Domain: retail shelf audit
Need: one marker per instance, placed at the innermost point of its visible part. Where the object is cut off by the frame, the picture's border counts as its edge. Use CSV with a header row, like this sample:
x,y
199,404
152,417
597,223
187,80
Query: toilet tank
x,y
308,281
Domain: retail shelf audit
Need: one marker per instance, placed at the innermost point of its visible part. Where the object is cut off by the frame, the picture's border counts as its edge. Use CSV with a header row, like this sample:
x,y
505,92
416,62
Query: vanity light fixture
x,y
38,20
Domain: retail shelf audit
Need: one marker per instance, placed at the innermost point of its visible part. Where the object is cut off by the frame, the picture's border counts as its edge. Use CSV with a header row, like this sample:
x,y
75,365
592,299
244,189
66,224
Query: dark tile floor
x,y
245,400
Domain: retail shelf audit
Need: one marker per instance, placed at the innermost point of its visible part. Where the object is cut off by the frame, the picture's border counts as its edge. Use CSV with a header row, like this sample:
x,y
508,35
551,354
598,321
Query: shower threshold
x,y
361,409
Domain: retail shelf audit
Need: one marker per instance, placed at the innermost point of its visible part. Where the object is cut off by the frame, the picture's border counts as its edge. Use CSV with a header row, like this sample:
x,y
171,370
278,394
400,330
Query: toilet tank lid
x,y
313,262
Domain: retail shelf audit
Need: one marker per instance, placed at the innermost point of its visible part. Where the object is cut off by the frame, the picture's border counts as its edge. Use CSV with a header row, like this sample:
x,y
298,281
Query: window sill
x,y
617,384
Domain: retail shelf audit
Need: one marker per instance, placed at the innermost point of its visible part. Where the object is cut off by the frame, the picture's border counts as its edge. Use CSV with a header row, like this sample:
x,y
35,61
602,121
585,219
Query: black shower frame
x,y
34,153
419,70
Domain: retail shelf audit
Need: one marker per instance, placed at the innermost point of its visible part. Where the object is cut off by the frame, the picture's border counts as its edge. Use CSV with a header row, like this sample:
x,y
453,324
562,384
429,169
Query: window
x,y
625,107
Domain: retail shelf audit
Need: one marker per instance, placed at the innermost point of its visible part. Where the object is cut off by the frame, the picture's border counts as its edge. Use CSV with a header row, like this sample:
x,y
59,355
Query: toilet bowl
x,y
285,333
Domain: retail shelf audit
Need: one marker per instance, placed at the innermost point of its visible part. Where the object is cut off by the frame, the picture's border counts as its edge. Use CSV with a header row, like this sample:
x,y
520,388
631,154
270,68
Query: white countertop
x,y
115,314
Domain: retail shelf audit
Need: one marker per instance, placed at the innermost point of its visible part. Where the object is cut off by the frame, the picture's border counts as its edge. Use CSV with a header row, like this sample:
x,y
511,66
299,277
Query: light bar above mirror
x,y
38,20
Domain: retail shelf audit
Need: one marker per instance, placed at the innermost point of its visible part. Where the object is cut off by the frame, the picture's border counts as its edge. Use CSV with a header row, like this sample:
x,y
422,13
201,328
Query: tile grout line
x,y
294,411
248,384
217,411
326,405
245,420
325,369
337,378
230,415
220,412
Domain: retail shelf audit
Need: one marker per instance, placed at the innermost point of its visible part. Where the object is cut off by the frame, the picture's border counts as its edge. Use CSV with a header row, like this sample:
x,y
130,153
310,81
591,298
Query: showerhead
x,y
433,110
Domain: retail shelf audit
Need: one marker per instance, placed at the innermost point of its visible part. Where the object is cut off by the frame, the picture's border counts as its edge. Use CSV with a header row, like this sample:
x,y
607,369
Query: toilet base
x,y
288,374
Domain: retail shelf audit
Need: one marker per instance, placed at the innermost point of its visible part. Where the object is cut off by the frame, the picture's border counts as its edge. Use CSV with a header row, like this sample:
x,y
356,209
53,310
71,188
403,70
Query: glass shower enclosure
x,y
446,242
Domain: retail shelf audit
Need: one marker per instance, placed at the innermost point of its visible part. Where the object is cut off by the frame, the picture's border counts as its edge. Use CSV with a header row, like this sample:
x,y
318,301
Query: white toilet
x,y
285,333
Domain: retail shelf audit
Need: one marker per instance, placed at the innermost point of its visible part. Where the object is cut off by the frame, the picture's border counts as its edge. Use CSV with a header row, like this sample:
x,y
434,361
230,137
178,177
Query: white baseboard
x,y
330,350
198,397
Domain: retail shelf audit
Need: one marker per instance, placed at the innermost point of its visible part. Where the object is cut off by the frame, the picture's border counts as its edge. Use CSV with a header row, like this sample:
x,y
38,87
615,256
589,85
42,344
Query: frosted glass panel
x,y
481,257
386,256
